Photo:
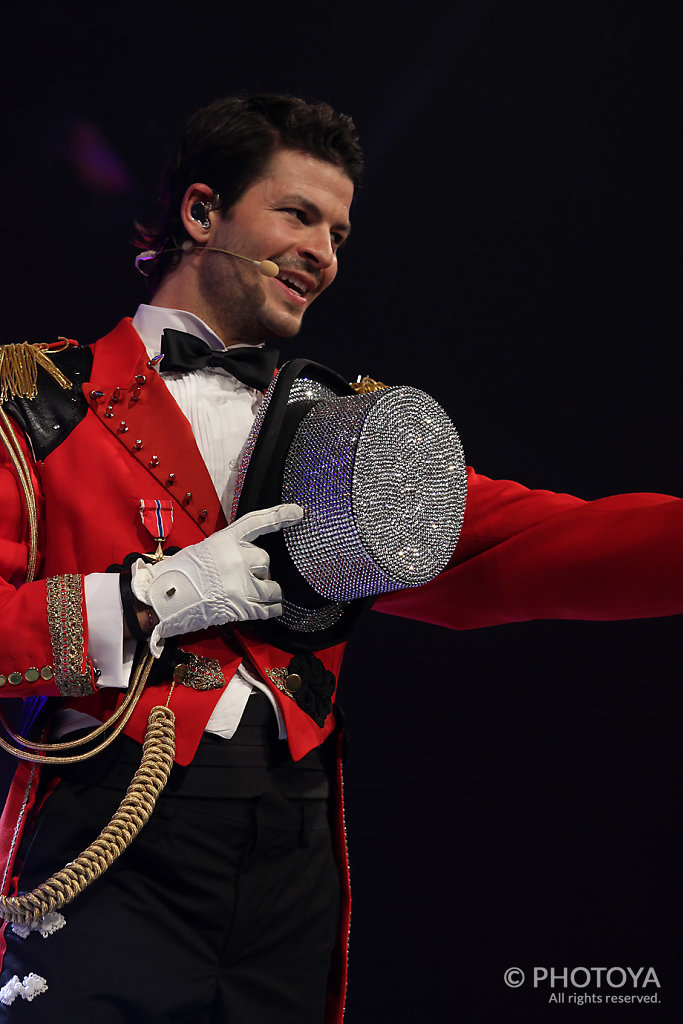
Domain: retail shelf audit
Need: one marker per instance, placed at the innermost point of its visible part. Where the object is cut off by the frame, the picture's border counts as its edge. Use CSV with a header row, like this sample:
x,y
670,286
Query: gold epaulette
x,y
19,367
366,385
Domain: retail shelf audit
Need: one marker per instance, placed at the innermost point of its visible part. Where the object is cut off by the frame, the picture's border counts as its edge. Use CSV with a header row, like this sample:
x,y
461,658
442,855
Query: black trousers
x,y
224,908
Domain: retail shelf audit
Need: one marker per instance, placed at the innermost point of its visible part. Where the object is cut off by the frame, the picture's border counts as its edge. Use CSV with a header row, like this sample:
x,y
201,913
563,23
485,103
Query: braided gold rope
x,y
158,751
17,456
127,706
17,376
125,709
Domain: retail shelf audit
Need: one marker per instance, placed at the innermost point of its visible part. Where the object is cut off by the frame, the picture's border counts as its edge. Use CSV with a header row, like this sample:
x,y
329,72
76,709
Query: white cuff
x,y
106,647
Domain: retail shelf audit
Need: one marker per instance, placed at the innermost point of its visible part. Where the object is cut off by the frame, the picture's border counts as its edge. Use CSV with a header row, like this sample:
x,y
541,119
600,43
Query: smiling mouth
x,y
299,288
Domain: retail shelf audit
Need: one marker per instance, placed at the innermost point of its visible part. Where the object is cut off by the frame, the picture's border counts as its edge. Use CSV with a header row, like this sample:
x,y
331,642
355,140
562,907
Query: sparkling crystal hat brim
x,y
381,478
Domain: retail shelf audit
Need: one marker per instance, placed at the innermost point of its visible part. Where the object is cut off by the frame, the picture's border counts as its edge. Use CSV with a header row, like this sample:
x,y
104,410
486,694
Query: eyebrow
x,y
314,209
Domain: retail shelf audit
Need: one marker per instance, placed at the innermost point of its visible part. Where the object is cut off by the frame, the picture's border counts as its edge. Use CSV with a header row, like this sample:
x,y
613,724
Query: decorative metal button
x,y
154,461
140,379
312,687
96,394
204,513
171,479
15,678
138,445
293,682
46,672
109,412
123,427
135,397
116,394
187,498
151,365
31,675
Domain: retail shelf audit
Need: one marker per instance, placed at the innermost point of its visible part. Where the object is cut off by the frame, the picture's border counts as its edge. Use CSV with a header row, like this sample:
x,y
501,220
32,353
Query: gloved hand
x,y
223,578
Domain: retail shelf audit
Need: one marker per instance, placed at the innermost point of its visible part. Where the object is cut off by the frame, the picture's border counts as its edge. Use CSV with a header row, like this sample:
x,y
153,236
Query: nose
x,y
317,247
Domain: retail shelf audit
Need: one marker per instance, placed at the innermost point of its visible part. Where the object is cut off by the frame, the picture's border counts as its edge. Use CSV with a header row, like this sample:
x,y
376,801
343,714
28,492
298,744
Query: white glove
x,y
223,578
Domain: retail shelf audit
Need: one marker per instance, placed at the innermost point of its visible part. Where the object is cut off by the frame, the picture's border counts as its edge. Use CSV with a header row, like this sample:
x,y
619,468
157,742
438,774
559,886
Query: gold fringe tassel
x,y
19,369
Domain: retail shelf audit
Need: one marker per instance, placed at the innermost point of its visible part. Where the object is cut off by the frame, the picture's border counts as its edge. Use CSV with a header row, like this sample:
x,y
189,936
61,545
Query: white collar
x,y
151,321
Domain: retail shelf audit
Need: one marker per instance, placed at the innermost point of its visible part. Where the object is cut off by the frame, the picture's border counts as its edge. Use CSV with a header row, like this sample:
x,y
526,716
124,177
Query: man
x,y
265,178
226,905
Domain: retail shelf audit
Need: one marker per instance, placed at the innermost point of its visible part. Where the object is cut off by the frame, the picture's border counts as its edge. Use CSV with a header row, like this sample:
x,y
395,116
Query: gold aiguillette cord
x,y
158,752
17,376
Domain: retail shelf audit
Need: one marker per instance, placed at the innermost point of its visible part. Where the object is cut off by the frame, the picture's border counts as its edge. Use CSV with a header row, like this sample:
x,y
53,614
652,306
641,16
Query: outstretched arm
x,y
531,554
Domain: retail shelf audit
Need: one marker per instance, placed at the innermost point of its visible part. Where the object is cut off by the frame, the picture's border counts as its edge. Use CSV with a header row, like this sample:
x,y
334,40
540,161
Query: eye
x,y
337,239
296,212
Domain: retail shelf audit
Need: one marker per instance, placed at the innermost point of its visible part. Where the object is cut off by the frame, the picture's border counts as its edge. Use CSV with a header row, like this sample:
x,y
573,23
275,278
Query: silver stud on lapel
x,y
123,427
116,394
171,479
154,461
152,364
96,394
187,498
140,379
138,445
109,412
204,513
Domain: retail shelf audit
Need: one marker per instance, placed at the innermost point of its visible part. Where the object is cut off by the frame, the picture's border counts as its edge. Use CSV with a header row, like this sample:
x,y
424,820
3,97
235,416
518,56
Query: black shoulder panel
x,y
50,417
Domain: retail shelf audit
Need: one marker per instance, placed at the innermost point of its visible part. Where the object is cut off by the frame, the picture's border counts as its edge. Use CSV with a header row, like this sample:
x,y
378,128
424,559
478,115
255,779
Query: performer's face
x,y
296,214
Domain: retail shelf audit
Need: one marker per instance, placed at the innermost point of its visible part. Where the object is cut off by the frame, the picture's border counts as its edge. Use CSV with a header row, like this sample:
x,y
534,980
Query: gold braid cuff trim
x,y
19,369
65,621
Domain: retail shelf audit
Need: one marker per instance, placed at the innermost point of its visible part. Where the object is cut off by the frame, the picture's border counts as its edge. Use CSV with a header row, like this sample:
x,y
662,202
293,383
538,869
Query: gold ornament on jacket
x,y
19,368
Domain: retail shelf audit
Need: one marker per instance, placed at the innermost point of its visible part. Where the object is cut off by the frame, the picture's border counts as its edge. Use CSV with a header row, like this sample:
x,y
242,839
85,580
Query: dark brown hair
x,y
228,145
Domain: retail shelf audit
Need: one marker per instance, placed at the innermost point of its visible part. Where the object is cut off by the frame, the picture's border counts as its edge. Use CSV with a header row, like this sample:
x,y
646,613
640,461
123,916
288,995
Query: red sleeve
x,y
43,625
527,554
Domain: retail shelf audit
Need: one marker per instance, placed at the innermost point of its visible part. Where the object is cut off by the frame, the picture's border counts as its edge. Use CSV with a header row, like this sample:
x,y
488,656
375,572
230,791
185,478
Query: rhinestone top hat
x,y
381,478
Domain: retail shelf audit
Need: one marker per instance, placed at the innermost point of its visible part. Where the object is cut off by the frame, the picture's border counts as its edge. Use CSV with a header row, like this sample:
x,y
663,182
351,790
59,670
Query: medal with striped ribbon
x,y
157,518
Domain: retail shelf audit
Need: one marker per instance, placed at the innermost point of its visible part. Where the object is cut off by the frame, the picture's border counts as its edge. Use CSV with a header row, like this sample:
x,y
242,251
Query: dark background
x,y
512,792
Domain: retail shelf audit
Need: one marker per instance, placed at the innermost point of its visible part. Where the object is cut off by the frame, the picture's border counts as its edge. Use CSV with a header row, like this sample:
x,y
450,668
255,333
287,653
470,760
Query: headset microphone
x,y
267,267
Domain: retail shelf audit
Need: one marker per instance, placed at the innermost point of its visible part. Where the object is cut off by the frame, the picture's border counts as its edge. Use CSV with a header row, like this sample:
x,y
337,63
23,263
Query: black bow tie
x,y
253,366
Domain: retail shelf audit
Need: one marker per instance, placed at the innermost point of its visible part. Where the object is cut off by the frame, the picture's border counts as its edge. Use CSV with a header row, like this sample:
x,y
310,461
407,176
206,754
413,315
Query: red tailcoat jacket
x,y
522,555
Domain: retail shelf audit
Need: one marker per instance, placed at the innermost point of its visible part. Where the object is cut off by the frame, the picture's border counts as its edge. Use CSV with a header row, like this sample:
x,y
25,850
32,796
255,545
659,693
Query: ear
x,y
205,195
